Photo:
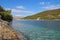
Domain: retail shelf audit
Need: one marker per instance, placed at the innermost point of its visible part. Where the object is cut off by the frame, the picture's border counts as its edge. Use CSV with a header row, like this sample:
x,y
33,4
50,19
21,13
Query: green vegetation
x,y
46,15
5,14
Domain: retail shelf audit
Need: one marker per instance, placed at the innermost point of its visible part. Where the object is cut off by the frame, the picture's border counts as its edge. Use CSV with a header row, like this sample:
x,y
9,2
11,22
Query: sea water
x,y
38,29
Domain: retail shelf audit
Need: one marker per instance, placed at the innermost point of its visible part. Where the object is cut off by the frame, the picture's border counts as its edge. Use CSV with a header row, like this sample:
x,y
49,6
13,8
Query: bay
x,y
38,29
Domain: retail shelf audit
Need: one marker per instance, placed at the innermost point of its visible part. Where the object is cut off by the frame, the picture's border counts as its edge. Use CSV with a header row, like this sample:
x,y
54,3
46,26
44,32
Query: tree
x,y
5,14
1,9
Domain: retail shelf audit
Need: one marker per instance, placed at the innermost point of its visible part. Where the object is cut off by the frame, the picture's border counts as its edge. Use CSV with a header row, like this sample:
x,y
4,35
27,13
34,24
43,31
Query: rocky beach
x,y
7,33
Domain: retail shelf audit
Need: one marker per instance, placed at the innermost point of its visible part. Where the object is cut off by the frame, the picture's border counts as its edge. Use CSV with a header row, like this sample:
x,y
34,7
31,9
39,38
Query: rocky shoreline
x,y
7,33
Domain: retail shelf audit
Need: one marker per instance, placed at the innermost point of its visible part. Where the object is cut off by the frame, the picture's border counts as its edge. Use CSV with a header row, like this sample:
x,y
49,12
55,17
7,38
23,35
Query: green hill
x,y
46,15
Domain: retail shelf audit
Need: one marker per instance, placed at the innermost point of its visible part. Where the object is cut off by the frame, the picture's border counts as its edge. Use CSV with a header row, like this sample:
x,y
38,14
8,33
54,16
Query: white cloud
x,y
52,7
43,3
19,11
20,7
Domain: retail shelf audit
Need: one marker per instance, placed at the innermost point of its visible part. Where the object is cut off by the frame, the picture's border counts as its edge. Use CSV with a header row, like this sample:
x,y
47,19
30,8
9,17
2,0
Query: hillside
x,y
46,15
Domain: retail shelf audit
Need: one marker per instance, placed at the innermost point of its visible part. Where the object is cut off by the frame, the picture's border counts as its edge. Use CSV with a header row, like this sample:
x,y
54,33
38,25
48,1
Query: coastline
x,y
7,33
40,20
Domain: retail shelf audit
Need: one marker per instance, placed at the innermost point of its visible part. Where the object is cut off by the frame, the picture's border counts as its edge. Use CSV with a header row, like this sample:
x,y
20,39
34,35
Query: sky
x,y
29,7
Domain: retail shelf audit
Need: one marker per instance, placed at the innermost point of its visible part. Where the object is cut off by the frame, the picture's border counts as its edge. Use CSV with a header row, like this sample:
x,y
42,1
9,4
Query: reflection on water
x,y
38,30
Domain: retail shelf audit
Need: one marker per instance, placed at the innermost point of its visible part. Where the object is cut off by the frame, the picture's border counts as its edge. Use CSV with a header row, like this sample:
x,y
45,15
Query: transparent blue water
x,y
38,30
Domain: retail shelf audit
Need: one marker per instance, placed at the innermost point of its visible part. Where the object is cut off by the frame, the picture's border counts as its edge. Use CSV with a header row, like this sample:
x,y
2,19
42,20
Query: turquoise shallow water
x,y
38,30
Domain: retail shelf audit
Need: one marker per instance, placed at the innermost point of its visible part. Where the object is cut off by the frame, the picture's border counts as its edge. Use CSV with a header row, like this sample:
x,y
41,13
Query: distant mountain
x,y
17,17
45,15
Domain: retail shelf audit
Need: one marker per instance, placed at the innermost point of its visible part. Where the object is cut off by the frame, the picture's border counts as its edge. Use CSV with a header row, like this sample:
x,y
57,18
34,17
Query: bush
x,y
5,14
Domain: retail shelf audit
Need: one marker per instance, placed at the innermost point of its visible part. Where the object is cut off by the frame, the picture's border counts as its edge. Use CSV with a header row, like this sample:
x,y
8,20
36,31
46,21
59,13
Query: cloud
x,y
21,11
20,7
43,3
52,7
